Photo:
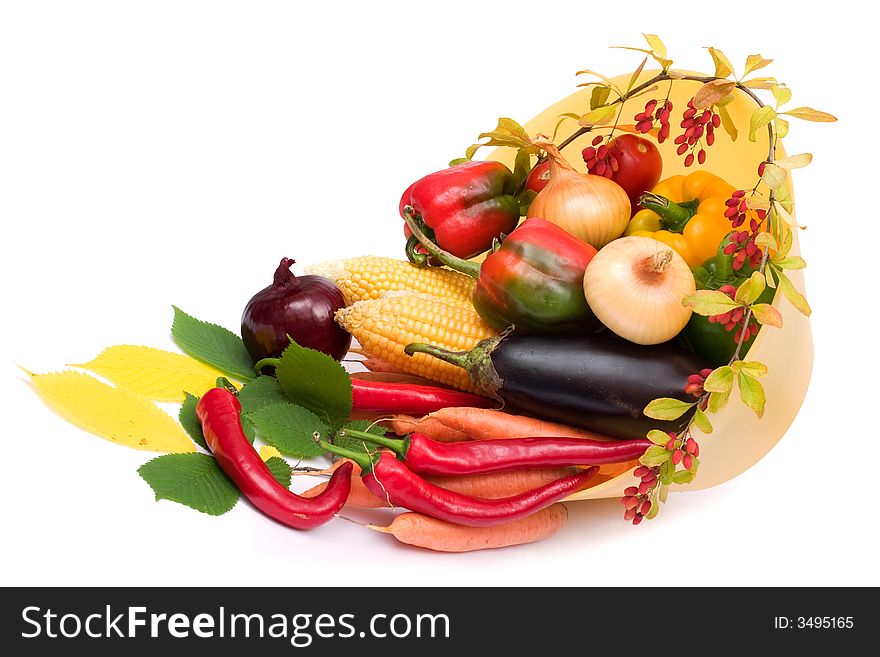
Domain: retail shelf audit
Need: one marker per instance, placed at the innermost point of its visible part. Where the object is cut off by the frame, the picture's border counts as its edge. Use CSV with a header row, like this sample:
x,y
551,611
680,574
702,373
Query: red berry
x,y
701,156
716,120
689,113
591,163
630,491
738,193
687,461
761,168
689,160
614,164
696,450
602,152
681,150
631,502
641,471
676,456
599,169
589,153
630,514
671,444
645,507
690,445
645,487
706,372
637,520
597,140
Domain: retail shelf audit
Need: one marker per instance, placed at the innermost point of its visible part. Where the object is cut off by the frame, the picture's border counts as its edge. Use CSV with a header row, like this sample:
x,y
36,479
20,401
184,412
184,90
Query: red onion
x,y
301,307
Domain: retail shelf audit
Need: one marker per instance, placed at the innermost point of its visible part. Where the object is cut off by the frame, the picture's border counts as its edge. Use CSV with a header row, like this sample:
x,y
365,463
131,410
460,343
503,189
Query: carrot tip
x,y
379,528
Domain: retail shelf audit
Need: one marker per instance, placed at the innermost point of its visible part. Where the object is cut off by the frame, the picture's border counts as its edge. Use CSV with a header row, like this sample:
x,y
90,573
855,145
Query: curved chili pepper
x,y
411,399
408,398
427,456
219,412
391,480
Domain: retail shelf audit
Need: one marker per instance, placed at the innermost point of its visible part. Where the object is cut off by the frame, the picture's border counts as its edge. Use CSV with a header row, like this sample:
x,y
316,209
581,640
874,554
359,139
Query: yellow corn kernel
x,y
370,277
384,327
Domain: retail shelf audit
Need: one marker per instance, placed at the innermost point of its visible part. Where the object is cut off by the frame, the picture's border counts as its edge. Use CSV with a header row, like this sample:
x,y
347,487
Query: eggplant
x,y
597,382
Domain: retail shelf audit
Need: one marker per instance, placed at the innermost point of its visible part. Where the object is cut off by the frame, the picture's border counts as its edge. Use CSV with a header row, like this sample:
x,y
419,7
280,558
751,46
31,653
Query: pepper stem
x,y
223,382
420,260
467,267
673,216
364,461
265,362
396,445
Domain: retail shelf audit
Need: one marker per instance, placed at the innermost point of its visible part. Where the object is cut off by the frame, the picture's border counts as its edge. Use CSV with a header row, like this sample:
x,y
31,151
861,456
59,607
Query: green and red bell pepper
x,y
463,208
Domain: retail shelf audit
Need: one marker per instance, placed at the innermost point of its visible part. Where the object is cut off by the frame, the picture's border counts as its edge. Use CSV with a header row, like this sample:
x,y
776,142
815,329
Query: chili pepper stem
x,y
674,216
396,445
420,260
467,267
364,461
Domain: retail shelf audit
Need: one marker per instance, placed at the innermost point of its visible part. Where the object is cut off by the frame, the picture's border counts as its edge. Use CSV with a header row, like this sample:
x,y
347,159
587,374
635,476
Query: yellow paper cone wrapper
x,y
739,439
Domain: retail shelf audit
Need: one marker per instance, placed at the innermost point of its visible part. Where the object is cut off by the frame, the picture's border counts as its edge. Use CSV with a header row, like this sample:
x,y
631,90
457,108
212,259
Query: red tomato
x,y
639,166
538,177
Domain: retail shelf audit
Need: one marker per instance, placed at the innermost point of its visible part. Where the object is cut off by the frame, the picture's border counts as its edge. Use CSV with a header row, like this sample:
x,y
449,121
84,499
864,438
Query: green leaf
x,y
684,476
760,83
667,408
754,62
810,114
280,469
607,81
507,133
774,176
712,92
356,444
709,302
193,479
701,420
767,315
213,345
795,298
525,199
720,380
752,393
664,493
190,421
783,198
658,437
781,126
728,123
666,471
723,67
749,291
522,166
598,116
765,239
635,75
653,511
598,97
656,44
460,160
795,161
790,262
718,400
760,118
290,429
655,455
753,368
262,391
317,382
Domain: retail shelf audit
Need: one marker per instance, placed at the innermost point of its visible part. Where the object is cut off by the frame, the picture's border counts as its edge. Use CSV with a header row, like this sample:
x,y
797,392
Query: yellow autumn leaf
x,y
117,414
154,373
267,452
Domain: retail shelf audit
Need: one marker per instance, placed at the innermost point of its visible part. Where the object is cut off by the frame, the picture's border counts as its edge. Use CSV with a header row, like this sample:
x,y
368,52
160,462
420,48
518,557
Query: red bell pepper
x,y
463,207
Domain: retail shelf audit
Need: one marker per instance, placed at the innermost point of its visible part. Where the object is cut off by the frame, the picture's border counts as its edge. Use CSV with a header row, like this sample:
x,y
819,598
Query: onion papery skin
x,y
633,293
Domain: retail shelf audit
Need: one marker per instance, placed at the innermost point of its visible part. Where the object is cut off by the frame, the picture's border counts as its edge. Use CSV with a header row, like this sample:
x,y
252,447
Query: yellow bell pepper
x,y
687,213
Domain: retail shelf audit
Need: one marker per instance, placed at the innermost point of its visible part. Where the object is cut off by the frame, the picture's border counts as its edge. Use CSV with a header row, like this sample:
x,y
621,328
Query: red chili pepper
x,y
464,207
427,456
411,399
219,412
388,478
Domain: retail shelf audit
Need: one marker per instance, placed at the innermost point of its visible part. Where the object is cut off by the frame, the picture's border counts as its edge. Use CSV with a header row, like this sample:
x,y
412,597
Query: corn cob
x,y
369,277
384,327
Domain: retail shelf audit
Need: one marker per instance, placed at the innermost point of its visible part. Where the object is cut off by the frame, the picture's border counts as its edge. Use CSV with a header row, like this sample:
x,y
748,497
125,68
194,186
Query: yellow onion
x,y
635,285
592,208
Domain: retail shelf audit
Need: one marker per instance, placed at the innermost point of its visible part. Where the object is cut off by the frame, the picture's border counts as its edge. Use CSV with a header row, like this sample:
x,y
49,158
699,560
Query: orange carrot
x,y
432,534
494,485
360,495
456,424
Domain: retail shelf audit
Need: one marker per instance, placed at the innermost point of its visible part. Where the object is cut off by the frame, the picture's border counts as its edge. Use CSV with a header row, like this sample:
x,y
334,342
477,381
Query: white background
x,y
172,152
